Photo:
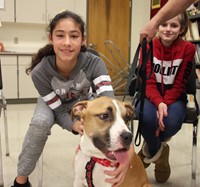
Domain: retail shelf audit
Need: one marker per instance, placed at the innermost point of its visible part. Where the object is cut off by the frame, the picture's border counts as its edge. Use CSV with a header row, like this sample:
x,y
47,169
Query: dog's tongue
x,y
121,156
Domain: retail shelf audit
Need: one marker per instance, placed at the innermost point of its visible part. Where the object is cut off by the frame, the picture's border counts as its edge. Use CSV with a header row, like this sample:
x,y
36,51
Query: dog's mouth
x,y
120,155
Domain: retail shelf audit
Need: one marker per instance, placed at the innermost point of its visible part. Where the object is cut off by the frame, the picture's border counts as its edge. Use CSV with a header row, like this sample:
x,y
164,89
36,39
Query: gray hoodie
x,y
89,76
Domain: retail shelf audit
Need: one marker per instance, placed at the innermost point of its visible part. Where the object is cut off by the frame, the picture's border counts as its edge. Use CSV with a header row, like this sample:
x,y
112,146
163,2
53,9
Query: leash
x,y
146,54
132,76
136,83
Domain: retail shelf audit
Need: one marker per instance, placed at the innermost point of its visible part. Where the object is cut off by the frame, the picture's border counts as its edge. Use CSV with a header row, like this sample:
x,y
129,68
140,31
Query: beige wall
x,y
140,15
23,37
33,36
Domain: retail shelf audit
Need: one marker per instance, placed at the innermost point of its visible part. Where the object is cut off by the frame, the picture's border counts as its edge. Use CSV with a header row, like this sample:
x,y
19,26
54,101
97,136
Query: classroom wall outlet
x,y
16,40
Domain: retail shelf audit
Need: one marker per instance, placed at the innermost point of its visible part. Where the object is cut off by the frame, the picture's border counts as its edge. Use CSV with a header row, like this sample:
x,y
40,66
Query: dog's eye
x,y
103,116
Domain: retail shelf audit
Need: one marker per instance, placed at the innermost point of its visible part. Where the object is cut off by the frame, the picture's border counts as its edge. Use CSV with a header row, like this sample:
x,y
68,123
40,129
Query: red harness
x,y
90,166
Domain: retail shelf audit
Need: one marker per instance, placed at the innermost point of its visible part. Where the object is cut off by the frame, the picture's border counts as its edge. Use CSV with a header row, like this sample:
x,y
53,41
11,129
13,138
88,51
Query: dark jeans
x,y
173,123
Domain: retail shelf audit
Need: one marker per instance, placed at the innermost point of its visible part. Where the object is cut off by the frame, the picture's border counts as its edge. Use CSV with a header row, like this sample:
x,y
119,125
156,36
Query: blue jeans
x,y
173,122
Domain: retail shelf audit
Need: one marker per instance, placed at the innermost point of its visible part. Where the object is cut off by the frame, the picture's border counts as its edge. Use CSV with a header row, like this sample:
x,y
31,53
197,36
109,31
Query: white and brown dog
x,y
106,139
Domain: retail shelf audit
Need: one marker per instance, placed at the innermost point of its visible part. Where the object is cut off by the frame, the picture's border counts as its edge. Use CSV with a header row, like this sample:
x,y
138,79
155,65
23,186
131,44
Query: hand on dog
x,y
78,126
119,173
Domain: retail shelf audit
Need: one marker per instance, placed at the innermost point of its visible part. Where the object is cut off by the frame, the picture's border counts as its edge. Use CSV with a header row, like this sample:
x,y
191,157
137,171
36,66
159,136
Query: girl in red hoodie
x,y
165,104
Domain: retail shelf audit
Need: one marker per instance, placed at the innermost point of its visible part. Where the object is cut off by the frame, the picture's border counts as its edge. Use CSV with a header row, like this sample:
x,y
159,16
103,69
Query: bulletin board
x,y
155,4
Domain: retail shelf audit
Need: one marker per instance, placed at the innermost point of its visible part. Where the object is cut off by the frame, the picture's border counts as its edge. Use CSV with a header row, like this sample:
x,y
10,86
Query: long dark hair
x,y
184,22
48,49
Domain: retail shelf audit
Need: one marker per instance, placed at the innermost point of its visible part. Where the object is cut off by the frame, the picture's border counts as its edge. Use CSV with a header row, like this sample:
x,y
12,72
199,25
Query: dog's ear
x,y
78,108
129,109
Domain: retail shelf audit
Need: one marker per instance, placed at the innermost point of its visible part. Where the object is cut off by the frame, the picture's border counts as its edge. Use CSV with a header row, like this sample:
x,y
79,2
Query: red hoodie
x,y
172,68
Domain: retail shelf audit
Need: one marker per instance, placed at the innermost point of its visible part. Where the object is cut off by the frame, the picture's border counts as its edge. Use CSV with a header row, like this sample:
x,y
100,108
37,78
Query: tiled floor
x,y
61,145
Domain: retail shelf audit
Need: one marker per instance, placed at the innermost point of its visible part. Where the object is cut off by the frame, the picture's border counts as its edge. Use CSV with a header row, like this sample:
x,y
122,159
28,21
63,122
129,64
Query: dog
x,y
106,139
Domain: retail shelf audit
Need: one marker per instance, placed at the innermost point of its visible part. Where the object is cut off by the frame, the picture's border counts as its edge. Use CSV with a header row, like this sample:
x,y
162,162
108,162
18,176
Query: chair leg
x,y
194,153
40,171
4,107
6,130
1,166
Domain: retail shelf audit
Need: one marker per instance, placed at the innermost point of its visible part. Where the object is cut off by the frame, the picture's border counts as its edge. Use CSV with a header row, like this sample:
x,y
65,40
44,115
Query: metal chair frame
x,y
193,118
3,107
119,69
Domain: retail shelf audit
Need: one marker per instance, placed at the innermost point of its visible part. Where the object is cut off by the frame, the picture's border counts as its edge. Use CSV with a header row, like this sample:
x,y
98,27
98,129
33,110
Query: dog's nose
x,y
126,138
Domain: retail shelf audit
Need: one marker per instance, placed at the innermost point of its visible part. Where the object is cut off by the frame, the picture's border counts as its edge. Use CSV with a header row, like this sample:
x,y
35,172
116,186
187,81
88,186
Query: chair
x,y
119,69
3,107
93,51
191,118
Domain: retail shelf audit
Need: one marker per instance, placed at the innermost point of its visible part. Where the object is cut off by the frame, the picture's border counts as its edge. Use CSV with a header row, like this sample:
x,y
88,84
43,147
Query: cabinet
x,y
30,11
26,86
9,76
37,11
16,83
8,13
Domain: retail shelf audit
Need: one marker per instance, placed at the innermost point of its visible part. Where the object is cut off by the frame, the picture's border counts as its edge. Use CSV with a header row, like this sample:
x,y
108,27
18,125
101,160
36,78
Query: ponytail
x,y
47,50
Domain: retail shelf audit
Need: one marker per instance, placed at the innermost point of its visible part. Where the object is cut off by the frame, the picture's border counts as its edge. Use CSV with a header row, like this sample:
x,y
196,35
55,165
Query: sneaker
x,y
27,184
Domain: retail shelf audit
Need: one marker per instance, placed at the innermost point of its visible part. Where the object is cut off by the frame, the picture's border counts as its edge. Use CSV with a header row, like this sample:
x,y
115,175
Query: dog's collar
x,y
104,162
